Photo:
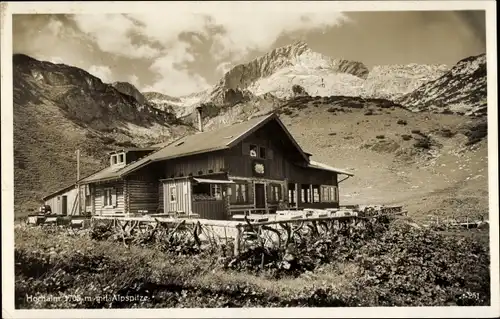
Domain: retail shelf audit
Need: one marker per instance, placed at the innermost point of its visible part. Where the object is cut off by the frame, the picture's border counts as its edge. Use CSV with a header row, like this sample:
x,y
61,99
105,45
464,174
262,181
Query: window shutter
x,y
270,154
245,192
103,198
246,149
114,197
234,190
269,193
251,192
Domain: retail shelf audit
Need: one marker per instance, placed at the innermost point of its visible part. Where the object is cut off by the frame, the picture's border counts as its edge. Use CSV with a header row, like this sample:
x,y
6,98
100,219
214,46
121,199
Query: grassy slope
x,y
388,170
44,151
58,109
45,145
392,170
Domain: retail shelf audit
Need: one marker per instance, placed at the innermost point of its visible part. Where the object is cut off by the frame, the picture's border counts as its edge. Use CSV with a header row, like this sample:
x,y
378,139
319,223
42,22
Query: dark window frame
x,y
262,149
241,193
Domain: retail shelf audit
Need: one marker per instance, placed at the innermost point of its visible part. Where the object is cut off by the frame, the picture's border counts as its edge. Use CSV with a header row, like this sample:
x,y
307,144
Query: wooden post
x,y
79,209
297,195
237,240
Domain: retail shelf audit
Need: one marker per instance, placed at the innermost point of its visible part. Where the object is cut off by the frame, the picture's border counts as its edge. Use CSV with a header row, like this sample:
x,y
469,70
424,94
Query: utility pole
x,y
78,195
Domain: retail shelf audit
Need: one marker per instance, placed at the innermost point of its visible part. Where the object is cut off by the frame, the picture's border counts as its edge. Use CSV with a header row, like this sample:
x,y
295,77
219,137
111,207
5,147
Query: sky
x,y
182,53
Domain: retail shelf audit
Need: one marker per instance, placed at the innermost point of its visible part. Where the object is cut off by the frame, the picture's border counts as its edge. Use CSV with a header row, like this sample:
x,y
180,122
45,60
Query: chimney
x,y
200,122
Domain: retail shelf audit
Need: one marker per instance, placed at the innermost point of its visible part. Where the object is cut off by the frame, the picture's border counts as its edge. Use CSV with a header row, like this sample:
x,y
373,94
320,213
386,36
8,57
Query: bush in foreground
x,y
388,265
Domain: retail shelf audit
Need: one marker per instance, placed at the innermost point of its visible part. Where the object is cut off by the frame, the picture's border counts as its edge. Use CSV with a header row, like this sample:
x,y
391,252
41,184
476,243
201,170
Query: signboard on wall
x,y
258,168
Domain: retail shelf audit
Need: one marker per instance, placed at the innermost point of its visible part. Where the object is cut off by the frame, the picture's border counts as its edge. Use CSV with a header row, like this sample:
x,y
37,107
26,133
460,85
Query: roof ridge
x,y
214,139
264,117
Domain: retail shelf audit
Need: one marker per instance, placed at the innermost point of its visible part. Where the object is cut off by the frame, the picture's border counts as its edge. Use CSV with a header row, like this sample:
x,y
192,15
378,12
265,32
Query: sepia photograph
x,y
254,159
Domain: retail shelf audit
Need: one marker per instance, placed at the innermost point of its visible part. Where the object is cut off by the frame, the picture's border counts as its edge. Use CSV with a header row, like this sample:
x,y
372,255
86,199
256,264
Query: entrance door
x,y
260,195
64,205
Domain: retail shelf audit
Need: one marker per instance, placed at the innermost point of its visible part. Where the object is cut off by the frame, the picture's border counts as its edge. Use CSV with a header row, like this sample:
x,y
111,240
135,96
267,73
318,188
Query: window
x,y
329,194
306,195
275,193
109,198
325,194
203,191
216,191
262,152
253,150
88,198
240,194
173,194
315,196
114,159
291,196
121,158
302,195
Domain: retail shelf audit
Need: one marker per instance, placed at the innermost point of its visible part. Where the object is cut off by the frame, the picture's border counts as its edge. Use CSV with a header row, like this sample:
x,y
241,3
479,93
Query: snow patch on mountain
x,y
277,71
434,87
393,81
180,106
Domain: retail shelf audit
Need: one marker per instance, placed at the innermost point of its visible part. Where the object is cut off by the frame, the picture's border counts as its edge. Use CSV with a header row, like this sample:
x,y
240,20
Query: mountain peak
x,y
275,71
290,51
129,89
297,46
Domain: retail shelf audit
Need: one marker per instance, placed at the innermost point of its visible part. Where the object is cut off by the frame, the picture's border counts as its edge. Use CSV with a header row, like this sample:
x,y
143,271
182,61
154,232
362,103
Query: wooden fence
x,y
272,230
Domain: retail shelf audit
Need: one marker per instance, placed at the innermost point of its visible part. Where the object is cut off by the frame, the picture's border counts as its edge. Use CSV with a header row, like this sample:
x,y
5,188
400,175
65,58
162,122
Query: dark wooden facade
x,y
263,170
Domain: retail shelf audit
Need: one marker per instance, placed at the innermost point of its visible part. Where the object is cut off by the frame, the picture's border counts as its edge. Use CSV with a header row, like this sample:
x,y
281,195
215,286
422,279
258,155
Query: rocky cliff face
x,y
58,109
461,90
277,71
393,81
130,89
83,97
180,106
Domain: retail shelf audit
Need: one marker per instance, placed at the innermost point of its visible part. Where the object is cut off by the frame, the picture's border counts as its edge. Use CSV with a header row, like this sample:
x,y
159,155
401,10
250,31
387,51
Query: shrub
x,y
446,133
126,144
477,132
380,137
108,140
299,90
406,137
389,263
410,266
424,143
402,122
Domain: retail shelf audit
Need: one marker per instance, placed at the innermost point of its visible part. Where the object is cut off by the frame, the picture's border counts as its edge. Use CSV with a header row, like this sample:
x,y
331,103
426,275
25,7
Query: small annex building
x,y
63,201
